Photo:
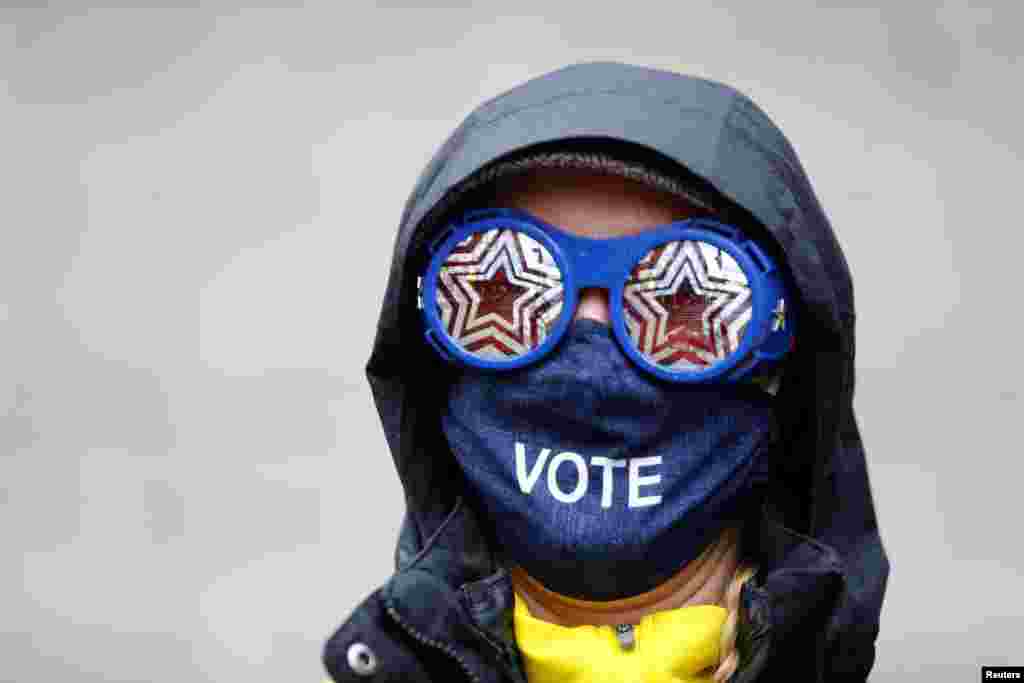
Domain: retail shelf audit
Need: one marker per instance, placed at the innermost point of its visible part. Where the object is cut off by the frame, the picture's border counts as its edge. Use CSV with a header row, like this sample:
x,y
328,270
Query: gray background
x,y
197,212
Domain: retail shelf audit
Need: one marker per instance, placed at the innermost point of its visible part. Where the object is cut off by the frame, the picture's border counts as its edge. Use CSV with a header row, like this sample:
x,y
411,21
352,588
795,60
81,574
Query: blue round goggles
x,y
691,301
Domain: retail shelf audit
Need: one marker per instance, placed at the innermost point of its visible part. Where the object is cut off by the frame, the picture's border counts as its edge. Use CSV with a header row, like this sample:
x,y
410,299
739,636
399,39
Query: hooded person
x,y
614,366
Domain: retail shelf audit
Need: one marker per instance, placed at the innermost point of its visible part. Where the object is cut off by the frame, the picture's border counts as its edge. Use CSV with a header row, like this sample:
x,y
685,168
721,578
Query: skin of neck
x,y
701,582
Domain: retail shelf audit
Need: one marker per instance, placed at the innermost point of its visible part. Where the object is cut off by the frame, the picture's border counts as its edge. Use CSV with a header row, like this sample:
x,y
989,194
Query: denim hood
x,y
819,486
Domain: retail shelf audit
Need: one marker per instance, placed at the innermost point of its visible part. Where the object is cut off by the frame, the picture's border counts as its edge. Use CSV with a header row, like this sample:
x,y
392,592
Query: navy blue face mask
x,y
602,481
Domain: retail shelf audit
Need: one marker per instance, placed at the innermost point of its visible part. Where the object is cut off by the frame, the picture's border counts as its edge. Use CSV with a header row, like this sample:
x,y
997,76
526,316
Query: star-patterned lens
x,y
499,294
687,305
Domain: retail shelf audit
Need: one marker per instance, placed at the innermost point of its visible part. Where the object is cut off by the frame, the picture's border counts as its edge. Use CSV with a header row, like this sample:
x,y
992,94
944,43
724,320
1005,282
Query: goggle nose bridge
x,y
603,258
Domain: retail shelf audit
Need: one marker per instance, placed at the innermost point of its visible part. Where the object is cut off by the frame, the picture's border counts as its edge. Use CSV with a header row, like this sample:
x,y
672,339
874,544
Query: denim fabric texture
x,y
602,480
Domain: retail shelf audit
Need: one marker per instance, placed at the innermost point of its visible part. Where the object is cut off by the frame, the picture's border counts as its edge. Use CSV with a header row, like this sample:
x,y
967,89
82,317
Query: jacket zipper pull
x,y
626,636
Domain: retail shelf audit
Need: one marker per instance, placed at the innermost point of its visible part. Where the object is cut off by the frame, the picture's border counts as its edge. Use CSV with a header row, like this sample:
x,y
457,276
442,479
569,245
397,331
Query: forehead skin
x,y
592,204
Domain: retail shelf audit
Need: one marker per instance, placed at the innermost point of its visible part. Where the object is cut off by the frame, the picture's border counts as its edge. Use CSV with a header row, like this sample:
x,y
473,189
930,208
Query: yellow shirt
x,y
673,646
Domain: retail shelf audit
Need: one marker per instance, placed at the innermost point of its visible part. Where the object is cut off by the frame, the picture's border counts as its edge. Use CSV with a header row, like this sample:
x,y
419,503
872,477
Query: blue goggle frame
x,y
608,263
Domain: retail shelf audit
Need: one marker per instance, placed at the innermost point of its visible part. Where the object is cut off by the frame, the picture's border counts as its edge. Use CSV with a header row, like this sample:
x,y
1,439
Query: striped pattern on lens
x,y
499,294
687,305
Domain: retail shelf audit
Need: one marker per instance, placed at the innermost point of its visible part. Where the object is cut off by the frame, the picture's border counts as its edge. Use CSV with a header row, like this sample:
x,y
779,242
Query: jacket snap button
x,y
361,659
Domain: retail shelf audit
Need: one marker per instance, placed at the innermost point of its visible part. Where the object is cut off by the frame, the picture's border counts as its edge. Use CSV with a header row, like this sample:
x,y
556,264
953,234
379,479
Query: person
x,y
614,366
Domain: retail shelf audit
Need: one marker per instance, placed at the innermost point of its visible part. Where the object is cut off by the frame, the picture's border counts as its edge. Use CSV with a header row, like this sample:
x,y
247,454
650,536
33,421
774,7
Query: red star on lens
x,y
683,320
497,295
684,308
498,292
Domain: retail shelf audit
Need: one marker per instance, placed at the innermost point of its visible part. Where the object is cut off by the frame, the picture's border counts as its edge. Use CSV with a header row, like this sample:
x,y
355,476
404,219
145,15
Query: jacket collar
x,y
454,595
